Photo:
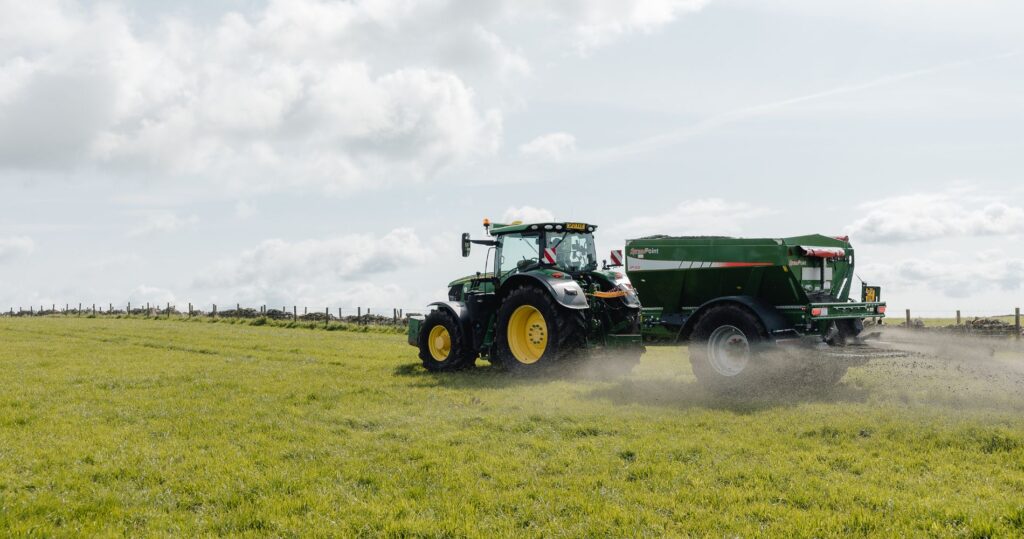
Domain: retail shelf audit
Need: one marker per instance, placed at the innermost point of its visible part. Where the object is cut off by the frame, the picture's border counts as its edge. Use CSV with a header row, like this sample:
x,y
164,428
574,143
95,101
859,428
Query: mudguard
x,y
566,292
457,308
772,320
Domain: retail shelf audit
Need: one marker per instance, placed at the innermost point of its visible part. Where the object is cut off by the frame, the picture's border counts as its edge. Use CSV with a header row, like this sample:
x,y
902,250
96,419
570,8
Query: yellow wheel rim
x,y
440,343
527,334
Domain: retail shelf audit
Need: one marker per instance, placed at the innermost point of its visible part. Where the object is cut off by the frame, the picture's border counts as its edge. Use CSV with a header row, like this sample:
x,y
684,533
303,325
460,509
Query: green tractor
x,y
543,300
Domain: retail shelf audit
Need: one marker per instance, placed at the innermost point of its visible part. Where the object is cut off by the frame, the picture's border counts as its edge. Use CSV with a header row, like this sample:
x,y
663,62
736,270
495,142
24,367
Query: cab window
x,y
518,251
573,251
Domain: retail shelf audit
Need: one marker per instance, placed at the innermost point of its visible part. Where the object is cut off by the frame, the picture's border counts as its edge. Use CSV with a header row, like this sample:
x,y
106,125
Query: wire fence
x,y
958,321
355,315
979,323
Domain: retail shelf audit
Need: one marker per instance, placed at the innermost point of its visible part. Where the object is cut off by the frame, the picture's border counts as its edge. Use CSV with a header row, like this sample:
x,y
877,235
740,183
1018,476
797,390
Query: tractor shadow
x,y
487,376
483,376
683,395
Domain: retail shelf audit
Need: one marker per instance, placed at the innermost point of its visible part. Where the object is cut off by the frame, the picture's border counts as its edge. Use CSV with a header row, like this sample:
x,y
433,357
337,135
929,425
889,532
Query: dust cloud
x,y
925,369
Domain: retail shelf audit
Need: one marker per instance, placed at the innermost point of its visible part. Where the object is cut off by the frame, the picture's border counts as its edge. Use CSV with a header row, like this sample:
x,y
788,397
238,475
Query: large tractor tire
x,y
443,344
534,332
723,349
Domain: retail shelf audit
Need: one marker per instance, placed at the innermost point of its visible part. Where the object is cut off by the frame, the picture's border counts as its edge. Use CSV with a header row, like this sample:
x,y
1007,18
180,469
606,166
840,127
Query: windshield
x,y
574,252
518,251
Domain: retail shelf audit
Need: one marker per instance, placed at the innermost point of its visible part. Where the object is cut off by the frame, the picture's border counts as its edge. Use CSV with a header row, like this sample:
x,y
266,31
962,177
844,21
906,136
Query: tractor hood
x,y
468,278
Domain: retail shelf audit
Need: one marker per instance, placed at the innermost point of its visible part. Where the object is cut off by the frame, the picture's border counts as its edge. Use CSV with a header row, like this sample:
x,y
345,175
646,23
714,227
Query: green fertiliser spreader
x,y
747,308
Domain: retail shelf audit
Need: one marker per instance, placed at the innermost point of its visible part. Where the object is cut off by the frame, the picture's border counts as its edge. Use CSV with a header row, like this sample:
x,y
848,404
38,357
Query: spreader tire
x,y
534,332
443,345
723,348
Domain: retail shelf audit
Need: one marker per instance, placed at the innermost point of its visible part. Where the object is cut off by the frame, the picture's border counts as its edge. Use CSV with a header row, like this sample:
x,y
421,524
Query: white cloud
x,y
244,210
954,275
333,96
285,97
527,214
554,146
712,216
162,221
342,270
596,23
954,211
13,247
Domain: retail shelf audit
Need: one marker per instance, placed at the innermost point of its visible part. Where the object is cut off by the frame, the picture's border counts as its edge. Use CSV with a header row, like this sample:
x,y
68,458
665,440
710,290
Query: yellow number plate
x,y
575,226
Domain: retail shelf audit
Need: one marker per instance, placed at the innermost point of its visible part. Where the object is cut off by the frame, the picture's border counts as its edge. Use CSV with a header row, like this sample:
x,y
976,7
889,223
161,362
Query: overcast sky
x,y
325,153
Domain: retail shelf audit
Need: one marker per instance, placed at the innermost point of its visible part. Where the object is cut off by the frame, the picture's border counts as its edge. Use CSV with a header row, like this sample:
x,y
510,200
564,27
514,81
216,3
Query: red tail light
x,y
816,311
880,309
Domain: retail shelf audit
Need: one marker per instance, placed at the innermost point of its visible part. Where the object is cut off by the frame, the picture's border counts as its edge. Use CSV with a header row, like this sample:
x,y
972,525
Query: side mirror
x,y
465,244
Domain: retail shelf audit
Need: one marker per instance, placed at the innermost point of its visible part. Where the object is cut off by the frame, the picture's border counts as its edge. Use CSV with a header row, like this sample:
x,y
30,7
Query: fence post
x,y
79,309
359,316
1016,322
908,318
190,309
958,317
94,309
327,317
295,313
215,310
368,320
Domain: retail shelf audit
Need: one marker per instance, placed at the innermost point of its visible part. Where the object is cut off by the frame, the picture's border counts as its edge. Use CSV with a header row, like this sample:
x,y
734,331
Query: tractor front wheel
x,y
442,343
533,331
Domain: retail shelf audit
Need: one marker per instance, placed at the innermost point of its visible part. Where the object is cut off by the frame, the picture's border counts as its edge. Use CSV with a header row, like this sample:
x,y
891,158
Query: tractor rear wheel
x,y
443,345
723,348
534,332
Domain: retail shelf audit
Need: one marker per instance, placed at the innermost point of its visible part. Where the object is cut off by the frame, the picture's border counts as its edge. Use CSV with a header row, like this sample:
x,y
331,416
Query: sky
x,y
329,153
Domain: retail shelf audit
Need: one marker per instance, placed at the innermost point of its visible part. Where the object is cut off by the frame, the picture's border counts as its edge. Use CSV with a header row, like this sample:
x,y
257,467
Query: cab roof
x,y
498,228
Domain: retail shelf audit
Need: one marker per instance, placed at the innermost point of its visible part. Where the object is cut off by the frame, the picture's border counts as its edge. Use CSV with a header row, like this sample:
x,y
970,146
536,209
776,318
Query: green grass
x,y
142,427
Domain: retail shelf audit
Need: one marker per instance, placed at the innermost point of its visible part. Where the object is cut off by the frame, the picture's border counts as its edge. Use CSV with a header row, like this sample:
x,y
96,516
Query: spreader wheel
x,y
723,348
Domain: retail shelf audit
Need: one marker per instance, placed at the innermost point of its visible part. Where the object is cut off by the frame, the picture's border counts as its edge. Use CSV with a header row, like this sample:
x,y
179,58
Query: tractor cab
x,y
566,247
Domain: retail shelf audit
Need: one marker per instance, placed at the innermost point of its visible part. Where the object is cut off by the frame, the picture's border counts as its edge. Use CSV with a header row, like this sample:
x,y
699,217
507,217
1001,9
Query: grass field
x,y
143,427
